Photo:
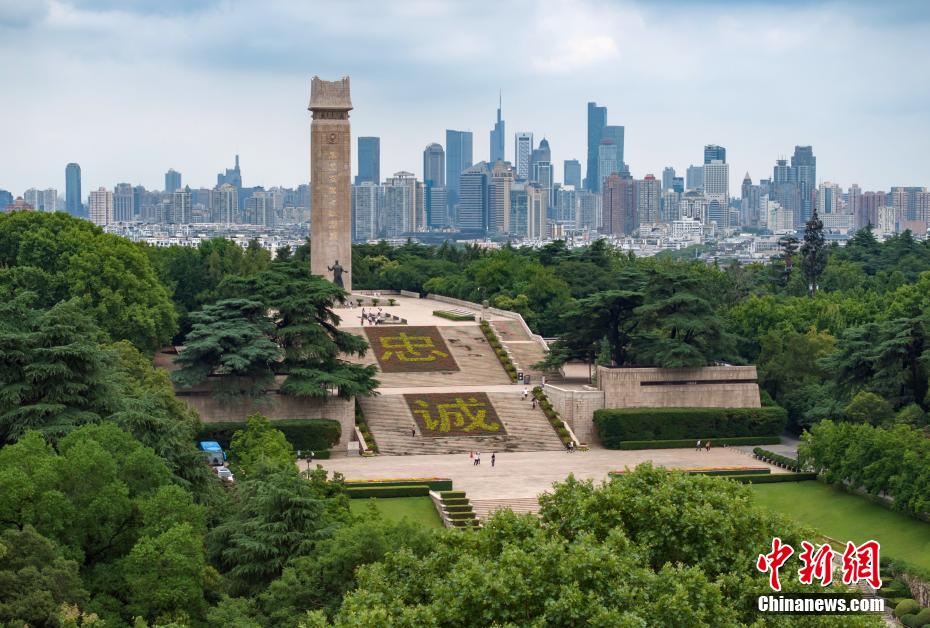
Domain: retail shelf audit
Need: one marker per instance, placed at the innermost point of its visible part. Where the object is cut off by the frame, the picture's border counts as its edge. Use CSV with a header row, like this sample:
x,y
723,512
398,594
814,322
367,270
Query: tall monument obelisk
x,y
330,159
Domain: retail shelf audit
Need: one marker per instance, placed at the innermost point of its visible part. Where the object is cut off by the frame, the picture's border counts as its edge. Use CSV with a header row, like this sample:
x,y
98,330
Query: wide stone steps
x,y
390,422
523,350
520,505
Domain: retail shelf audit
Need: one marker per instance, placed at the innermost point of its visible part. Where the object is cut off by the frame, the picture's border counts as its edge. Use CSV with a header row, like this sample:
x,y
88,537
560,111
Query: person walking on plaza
x,y
493,458
478,459
525,393
698,446
707,445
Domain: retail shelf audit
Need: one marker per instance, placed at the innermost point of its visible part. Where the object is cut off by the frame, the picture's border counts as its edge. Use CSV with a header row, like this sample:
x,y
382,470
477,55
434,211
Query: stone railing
x,y
409,293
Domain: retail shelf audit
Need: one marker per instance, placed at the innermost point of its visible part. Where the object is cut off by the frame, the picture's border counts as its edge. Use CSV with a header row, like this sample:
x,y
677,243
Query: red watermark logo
x,y
859,563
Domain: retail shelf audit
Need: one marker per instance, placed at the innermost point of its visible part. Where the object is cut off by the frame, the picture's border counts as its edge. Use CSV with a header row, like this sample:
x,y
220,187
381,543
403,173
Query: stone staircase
x,y
523,350
520,505
391,423
476,361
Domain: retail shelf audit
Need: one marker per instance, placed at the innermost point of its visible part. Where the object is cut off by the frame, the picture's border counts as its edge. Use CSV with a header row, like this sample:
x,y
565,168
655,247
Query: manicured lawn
x,y
418,509
846,517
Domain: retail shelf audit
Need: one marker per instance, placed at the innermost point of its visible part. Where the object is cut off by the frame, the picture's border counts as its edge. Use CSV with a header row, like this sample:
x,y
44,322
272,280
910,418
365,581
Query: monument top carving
x,y
330,94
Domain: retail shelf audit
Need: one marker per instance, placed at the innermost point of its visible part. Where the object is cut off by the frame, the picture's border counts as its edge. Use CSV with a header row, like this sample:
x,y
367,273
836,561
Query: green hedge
x,y
437,484
777,459
499,351
625,424
317,435
690,442
731,472
413,490
775,478
452,316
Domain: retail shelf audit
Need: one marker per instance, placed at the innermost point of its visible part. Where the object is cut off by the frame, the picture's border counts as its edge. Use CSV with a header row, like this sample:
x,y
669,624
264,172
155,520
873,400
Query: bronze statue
x,y
337,274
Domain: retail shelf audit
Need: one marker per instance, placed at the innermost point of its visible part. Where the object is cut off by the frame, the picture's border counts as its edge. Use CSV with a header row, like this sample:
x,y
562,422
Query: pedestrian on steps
x,y
525,393
493,455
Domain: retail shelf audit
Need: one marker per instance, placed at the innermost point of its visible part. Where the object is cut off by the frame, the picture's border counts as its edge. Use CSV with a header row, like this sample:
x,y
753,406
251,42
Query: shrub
x,y
315,435
617,425
777,459
923,617
375,302
502,356
392,301
453,317
906,607
414,490
690,442
775,478
434,484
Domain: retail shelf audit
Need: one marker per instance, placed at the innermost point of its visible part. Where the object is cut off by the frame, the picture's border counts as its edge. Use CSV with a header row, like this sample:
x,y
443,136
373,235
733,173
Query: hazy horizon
x,y
131,89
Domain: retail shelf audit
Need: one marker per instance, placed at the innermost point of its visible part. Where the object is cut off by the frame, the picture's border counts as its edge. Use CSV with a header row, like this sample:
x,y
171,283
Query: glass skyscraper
x,y
458,160
369,160
804,165
597,120
73,190
497,138
712,152
571,174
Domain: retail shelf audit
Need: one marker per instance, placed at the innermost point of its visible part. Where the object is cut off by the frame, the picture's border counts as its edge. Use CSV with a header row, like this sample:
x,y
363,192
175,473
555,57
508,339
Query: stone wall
x,y
705,387
576,407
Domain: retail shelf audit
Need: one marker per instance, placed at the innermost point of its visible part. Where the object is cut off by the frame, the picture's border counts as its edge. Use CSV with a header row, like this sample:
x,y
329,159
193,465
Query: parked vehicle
x,y
213,452
224,474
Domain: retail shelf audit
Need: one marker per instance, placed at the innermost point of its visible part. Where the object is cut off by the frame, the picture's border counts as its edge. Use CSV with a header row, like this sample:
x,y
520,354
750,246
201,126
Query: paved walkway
x,y
416,311
527,474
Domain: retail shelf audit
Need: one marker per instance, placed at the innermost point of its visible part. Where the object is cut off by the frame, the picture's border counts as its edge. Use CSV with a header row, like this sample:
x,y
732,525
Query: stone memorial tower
x,y
330,163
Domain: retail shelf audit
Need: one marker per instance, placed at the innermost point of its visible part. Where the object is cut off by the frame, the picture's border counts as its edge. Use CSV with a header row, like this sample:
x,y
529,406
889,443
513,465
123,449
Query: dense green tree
x,y
231,340
260,448
35,580
813,253
867,407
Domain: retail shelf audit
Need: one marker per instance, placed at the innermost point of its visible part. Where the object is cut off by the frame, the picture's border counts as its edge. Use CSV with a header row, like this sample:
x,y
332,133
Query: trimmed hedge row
x,y
554,419
499,351
434,484
413,490
690,442
452,316
777,459
625,424
775,478
730,472
362,425
317,435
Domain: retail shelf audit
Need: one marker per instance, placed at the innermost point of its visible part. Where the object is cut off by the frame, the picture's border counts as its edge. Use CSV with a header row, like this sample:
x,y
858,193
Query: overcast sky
x,y
130,88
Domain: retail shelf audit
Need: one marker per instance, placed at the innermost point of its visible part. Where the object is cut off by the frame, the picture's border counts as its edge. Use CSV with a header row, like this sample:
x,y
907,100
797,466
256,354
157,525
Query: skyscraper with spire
x,y
497,135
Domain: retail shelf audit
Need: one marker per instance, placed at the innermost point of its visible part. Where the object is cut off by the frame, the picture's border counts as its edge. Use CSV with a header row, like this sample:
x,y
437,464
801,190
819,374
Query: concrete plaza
x,y
519,475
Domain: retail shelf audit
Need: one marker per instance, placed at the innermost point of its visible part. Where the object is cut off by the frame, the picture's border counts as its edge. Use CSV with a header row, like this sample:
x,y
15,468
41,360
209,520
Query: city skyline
x,y
861,136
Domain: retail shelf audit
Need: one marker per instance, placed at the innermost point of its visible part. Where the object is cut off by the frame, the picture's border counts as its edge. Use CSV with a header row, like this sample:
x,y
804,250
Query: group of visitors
x,y
476,458
373,318
706,446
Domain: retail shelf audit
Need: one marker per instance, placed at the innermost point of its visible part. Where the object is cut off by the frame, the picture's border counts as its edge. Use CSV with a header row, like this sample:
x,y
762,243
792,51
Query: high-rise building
x,y
923,206
537,200
804,165
415,219
436,202
648,193
172,181
597,120
473,203
6,199
73,190
369,160
693,206
571,173
522,154
225,205
694,178
232,176
678,183
712,152
854,206
717,192
42,200
608,158
589,212
750,203
366,207
180,213
668,178
458,160
829,198
614,133
434,166
123,203
497,138
499,197
618,202
669,202
100,207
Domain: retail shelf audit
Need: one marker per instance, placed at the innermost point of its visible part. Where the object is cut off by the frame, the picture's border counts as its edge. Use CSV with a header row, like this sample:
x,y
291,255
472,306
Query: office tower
x,y
434,166
694,178
597,120
436,203
923,206
541,154
854,206
398,206
647,199
678,183
588,212
571,173
519,208
829,198
904,200
232,176
369,160
804,165
712,152
499,197
123,203
180,209
716,190
473,201
668,178
6,199
458,160
73,190
225,206
365,211
522,154
566,210
618,205
608,159
100,207
668,206
614,133
537,207
543,174
42,200
497,138
750,203
172,181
